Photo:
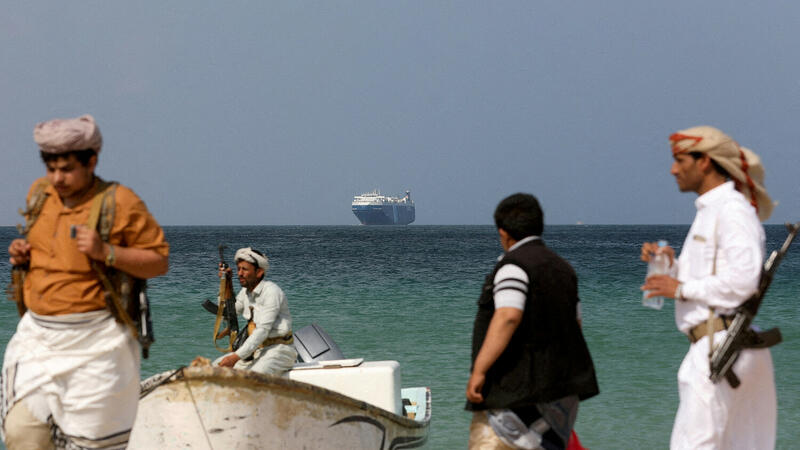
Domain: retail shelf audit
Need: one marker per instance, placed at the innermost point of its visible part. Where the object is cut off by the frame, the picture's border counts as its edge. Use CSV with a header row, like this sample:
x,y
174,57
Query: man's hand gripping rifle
x,y
226,311
740,336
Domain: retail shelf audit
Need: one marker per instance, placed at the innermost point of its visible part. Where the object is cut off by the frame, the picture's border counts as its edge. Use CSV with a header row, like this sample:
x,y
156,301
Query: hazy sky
x,y
273,113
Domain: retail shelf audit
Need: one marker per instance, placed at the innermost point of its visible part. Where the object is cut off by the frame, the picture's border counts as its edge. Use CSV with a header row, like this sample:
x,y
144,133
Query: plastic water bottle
x,y
658,265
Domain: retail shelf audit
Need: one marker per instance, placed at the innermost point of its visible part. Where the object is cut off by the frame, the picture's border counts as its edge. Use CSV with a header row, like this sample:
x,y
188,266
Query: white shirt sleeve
x,y
510,287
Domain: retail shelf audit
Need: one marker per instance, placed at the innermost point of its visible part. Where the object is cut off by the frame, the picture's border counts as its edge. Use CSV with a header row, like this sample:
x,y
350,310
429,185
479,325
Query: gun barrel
x,y
221,253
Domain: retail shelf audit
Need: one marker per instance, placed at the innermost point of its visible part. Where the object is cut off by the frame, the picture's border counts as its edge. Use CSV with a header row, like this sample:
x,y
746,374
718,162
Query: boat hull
x,y
384,214
212,407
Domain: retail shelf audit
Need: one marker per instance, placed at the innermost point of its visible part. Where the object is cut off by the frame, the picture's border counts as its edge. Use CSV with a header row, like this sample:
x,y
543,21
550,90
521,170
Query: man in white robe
x,y
718,269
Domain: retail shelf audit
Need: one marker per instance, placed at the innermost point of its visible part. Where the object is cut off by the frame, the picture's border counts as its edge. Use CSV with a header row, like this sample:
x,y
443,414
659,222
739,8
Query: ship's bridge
x,y
376,198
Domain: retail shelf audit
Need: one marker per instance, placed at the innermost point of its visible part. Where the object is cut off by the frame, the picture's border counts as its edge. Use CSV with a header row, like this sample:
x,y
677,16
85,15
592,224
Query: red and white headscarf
x,y
742,164
65,135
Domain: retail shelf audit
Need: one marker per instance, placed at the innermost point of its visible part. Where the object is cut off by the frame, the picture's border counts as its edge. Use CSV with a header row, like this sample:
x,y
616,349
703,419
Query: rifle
x,y
145,323
14,289
740,335
226,311
132,306
212,307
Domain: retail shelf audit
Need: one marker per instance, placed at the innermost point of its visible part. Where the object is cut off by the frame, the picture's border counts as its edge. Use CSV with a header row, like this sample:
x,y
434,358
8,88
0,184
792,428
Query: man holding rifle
x,y
718,270
71,371
268,347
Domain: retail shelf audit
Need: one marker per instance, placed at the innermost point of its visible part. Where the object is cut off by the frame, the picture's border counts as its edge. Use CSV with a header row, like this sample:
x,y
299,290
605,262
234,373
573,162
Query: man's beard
x,y
249,284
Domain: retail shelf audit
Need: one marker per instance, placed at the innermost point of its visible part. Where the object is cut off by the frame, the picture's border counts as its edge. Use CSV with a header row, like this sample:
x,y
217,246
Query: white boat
x,y
345,403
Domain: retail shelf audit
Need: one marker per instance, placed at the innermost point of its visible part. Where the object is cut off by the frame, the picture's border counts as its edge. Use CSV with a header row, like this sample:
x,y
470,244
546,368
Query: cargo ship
x,y
372,208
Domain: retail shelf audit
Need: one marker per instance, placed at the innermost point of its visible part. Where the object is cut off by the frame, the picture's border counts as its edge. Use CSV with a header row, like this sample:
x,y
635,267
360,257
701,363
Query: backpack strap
x,y
105,191
34,206
101,218
107,209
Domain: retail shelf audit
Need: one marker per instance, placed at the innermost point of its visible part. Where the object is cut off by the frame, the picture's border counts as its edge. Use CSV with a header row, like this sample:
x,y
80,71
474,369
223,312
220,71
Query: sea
x,y
408,293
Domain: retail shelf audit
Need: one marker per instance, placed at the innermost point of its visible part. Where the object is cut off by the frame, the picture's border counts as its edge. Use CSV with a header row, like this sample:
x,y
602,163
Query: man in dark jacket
x,y
530,363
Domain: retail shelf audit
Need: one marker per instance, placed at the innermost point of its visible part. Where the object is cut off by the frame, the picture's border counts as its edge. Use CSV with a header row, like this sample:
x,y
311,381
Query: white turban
x,y
742,164
254,257
65,135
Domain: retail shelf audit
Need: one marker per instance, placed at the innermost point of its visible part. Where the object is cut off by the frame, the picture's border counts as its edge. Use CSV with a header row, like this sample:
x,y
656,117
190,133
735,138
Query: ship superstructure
x,y
373,208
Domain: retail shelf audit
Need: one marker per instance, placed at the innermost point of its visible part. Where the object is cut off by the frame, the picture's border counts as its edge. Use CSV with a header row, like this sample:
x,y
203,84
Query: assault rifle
x,y
226,311
740,335
132,299
14,289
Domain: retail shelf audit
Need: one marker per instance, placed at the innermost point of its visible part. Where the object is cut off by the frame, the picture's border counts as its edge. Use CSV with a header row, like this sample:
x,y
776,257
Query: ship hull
x,y
384,214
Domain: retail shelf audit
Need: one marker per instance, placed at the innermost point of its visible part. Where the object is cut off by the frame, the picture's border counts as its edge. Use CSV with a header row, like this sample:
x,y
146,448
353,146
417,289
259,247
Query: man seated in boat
x,y
268,348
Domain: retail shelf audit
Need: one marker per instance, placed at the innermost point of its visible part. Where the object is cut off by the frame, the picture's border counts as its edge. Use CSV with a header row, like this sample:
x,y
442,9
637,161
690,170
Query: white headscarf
x,y
65,135
254,257
742,164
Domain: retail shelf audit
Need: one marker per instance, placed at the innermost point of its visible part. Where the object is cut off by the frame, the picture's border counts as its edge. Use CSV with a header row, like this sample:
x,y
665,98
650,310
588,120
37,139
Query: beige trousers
x,y
481,434
23,431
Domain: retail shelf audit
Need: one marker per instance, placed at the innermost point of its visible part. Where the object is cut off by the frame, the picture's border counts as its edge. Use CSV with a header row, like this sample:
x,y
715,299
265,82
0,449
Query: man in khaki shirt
x,y
71,372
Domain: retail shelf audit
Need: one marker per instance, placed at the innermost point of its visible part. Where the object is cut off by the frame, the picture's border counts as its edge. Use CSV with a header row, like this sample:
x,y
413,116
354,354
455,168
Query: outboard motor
x,y
313,344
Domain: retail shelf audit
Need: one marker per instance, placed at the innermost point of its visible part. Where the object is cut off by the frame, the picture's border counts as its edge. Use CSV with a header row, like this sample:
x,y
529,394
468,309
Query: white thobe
x,y
720,266
82,369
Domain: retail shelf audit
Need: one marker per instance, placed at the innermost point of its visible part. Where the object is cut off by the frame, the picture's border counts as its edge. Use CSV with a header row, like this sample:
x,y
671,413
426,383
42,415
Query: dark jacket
x,y
547,357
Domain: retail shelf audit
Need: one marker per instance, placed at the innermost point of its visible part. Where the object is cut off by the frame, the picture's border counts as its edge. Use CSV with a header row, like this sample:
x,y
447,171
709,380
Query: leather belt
x,y
287,339
718,323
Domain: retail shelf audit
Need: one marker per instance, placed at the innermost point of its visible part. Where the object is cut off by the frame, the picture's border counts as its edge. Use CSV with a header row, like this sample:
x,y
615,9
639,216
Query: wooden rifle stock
x,y
15,288
226,311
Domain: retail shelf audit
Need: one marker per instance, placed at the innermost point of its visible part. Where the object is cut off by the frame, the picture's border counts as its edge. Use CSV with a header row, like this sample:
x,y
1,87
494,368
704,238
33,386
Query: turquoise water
x,y
409,293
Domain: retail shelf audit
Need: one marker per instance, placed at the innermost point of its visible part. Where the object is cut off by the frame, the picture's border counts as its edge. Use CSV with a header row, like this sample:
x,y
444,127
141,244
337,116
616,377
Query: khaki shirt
x,y
61,279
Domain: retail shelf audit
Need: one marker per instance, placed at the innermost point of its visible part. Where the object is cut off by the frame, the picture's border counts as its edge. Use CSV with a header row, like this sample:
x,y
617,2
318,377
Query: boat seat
x,y
314,344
